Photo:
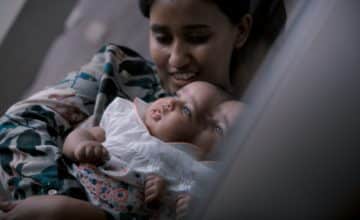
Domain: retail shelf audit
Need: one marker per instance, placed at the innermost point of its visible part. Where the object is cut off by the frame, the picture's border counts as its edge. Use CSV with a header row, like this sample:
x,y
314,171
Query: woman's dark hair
x,y
233,9
269,17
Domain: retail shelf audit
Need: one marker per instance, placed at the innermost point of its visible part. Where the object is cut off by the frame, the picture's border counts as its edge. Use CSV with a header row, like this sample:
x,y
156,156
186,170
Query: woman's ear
x,y
244,28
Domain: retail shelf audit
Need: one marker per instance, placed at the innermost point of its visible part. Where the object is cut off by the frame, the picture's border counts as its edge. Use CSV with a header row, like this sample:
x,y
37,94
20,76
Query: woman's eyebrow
x,y
158,28
196,27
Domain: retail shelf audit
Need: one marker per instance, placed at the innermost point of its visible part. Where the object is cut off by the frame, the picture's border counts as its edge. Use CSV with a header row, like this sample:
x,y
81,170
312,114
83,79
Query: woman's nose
x,y
179,56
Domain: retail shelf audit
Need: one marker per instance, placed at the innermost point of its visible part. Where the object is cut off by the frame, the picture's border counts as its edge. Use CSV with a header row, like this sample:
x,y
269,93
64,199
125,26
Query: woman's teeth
x,y
183,76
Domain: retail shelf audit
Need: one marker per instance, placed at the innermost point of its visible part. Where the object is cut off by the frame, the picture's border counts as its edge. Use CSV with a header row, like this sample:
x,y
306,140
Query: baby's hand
x,y
92,152
154,188
182,205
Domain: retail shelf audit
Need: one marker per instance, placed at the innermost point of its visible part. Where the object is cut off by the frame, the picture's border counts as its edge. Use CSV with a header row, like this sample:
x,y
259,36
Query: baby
x,y
151,150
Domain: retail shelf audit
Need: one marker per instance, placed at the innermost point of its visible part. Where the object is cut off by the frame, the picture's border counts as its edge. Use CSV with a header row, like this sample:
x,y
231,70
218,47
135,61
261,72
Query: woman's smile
x,y
182,78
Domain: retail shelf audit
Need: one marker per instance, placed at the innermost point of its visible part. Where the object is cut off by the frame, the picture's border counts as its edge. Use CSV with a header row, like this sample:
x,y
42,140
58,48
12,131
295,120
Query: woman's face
x,y
191,40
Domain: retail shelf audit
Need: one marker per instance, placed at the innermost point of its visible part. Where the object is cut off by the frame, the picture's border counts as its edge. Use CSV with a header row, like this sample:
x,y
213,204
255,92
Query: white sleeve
x,y
112,117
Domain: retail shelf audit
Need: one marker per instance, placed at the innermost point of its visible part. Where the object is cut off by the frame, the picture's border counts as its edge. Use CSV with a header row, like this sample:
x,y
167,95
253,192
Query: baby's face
x,y
200,113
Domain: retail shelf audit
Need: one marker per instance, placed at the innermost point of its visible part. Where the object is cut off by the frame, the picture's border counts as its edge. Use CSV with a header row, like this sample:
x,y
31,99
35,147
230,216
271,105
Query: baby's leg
x,y
118,198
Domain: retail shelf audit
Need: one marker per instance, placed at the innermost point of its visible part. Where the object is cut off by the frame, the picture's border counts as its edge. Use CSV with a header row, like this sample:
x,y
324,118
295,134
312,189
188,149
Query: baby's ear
x,y
244,28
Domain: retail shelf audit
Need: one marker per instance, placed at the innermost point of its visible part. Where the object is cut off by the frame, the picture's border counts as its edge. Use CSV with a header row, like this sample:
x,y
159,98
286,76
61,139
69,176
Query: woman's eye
x,y
186,111
163,39
197,39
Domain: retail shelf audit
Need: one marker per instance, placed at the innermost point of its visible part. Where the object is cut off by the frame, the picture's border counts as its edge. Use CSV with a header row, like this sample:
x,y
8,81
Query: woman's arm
x,y
84,145
51,207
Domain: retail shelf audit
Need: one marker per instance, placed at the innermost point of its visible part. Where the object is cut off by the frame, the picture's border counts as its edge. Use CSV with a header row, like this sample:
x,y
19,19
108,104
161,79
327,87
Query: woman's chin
x,y
176,84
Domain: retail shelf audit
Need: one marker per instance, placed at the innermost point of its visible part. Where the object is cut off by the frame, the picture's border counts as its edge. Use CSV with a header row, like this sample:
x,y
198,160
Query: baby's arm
x,y
84,145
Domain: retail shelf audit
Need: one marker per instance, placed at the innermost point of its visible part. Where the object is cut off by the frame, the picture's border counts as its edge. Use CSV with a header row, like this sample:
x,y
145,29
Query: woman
x,y
189,40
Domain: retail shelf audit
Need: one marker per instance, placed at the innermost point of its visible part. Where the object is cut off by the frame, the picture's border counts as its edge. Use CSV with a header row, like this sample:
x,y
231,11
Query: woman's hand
x,y
182,205
49,207
154,188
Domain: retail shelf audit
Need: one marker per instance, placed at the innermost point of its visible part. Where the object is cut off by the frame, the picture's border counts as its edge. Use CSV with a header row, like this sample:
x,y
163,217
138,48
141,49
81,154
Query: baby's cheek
x,y
206,140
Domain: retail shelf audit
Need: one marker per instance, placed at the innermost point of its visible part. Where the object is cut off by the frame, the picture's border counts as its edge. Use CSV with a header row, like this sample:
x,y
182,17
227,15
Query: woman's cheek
x,y
159,57
158,53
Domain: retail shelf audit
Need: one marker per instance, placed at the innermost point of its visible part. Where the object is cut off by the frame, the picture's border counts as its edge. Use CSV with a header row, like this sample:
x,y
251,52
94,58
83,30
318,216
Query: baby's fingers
x,y
158,181
90,154
154,178
100,154
182,206
151,194
96,154
105,154
80,153
181,209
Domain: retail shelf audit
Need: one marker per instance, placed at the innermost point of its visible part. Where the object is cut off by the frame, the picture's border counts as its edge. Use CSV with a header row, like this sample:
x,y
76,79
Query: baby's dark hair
x,y
233,9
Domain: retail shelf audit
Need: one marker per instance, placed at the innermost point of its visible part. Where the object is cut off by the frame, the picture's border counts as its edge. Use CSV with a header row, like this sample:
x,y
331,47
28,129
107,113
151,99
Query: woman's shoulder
x,y
116,48
133,75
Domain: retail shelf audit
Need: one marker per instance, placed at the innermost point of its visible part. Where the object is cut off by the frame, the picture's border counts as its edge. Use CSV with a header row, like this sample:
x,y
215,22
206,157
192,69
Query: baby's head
x,y
199,113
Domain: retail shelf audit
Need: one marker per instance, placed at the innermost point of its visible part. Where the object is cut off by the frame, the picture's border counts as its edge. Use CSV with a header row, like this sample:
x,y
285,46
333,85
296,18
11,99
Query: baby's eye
x,y
219,130
186,111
